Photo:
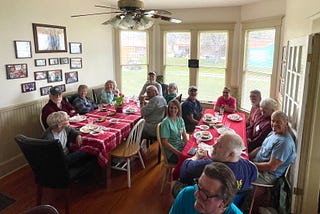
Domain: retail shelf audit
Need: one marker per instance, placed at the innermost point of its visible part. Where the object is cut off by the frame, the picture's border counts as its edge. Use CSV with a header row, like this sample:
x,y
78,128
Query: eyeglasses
x,y
203,194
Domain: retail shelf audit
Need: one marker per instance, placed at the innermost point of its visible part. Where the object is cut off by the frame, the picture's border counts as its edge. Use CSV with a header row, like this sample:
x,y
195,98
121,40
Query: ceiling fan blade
x,y
165,18
93,14
108,7
156,11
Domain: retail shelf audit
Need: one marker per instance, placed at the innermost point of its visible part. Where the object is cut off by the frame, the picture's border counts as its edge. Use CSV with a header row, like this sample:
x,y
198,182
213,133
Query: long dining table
x,y
239,126
113,127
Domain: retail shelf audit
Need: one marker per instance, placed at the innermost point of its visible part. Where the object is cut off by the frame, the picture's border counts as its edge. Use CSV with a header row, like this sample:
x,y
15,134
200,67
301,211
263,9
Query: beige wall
x,y
16,18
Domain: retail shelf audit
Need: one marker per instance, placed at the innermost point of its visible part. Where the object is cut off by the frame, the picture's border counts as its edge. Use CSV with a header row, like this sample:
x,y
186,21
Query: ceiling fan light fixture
x,y
131,21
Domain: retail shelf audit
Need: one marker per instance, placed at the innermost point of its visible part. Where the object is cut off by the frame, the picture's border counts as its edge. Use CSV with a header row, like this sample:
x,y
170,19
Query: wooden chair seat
x,y
124,152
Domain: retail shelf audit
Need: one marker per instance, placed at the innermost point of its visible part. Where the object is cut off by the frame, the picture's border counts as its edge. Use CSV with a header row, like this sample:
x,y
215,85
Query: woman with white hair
x,y
172,92
258,131
59,129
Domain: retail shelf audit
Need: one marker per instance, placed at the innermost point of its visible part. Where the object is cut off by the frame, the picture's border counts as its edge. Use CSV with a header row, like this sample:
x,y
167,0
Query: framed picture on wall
x,y
49,38
75,63
45,90
64,60
75,47
40,62
62,87
53,61
54,75
40,75
22,49
27,87
71,77
15,71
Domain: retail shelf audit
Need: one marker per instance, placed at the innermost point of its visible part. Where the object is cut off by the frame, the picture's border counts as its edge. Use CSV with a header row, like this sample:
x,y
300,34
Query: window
x,y
211,48
212,64
258,63
177,53
133,61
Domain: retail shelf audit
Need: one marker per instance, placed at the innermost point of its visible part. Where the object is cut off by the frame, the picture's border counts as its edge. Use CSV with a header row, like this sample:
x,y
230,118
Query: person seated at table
x,y
56,103
213,193
227,149
255,98
82,103
173,132
59,129
259,130
152,81
226,101
153,112
277,152
110,91
172,91
191,110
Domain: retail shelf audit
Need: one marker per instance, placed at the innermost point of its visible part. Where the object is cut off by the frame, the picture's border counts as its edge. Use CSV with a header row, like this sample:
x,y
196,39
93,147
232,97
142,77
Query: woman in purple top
x,y
226,101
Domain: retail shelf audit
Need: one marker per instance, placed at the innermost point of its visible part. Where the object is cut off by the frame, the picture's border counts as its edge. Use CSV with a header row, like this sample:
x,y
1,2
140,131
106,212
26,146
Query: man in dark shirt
x,y
56,103
191,110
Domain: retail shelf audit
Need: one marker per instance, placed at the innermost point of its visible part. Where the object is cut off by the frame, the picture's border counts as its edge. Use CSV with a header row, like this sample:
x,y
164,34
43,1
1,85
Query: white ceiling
x,y
182,4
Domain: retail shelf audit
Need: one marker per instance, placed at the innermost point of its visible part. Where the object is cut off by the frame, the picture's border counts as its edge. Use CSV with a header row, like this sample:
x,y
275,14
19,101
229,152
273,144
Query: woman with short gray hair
x,y
259,130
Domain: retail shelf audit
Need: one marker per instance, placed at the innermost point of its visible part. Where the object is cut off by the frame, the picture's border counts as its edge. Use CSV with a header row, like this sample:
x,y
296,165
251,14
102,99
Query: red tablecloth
x,y
238,126
108,140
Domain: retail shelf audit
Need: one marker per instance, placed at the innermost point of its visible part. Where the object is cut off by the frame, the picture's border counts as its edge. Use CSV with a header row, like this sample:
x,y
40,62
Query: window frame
x,y
195,30
261,24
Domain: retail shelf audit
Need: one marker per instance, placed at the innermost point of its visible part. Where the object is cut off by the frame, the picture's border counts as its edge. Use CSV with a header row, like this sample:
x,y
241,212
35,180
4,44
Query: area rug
x,y
5,201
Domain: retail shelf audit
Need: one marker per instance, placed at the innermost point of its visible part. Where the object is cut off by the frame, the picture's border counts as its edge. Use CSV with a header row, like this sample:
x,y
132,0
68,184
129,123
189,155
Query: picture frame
x,y
45,90
75,47
16,71
22,49
64,60
53,61
62,87
71,77
40,75
75,63
40,62
28,87
54,75
49,38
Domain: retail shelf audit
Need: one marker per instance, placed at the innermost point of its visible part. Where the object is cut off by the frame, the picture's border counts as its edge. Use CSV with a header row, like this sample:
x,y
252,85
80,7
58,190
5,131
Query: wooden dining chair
x,y
96,93
129,148
40,119
268,186
167,178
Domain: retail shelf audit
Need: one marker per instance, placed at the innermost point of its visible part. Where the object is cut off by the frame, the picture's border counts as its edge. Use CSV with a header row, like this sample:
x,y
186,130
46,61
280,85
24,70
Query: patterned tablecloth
x,y
112,133
238,126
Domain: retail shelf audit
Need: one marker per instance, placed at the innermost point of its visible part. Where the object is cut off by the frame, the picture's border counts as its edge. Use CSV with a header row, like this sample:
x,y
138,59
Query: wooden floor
x,y
143,196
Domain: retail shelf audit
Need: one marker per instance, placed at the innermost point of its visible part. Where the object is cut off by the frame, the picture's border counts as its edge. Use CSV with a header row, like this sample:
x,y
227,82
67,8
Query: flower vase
x,y
119,109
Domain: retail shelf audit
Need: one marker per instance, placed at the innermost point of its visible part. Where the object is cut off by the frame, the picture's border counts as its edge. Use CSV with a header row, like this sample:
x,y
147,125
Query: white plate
x,y
213,120
204,127
234,117
199,134
113,120
130,110
96,133
224,130
77,118
85,129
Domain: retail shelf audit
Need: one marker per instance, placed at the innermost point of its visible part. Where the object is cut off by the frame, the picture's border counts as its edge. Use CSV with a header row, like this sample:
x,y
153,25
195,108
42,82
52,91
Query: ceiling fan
x,y
132,16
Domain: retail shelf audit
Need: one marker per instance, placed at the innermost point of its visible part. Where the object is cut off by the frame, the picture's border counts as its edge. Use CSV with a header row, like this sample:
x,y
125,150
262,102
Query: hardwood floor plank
x,y
143,196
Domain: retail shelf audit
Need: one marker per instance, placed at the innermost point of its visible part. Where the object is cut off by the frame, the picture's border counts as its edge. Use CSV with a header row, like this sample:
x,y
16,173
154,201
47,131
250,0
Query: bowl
x,y
204,127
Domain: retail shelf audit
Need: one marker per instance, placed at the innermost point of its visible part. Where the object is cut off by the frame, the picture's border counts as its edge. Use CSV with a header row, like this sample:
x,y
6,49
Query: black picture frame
x,y
53,61
75,47
22,49
193,63
49,38
64,60
45,90
16,71
40,62
71,77
40,75
28,87
75,63
62,87
54,75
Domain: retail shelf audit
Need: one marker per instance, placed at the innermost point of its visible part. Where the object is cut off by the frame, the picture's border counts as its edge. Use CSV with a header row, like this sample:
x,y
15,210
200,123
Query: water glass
x,y
90,120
